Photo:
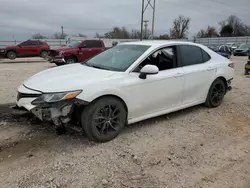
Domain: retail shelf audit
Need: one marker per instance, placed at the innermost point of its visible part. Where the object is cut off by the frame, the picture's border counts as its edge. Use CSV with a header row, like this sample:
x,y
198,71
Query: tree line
x,y
231,27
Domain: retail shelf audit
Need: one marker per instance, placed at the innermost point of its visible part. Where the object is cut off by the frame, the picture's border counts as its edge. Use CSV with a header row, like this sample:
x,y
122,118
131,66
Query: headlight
x,y
61,53
2,50
55,97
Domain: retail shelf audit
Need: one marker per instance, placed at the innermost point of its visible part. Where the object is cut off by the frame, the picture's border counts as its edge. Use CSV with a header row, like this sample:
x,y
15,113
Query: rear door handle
x,y
179,74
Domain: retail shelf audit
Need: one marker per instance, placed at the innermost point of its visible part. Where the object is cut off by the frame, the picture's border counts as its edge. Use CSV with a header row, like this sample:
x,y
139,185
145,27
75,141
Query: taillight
x,y
231,64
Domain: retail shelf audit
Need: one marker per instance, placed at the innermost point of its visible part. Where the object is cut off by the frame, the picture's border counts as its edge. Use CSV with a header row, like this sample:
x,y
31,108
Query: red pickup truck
x,y
29,48
76,52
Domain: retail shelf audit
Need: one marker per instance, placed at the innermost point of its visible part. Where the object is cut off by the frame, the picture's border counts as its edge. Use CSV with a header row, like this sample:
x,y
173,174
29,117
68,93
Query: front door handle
x,y
210,68
179,74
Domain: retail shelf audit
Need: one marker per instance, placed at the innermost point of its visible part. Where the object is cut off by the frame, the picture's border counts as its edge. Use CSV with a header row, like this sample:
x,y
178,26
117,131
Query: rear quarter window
x,y
205,55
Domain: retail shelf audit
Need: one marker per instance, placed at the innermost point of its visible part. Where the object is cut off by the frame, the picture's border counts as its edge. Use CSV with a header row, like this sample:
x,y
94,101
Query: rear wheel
x,y
216,94
11,55
104,119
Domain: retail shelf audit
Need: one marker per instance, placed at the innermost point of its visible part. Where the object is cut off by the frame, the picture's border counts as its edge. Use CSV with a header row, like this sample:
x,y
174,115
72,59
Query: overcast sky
x,y
22,18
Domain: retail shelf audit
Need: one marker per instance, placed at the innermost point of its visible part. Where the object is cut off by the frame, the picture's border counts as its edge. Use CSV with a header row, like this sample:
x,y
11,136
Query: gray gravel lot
x,y
193,148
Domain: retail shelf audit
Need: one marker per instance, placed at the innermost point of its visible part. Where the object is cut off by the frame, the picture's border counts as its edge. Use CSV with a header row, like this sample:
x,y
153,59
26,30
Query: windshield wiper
x,y
99,67
87,64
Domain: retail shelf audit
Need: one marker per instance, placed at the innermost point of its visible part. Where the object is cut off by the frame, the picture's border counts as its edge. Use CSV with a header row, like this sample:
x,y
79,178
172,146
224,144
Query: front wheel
x,y
44,54
216,94
104,119
70,60
11,55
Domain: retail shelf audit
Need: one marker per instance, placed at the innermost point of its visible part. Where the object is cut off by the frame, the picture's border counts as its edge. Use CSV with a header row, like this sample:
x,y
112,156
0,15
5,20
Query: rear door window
x,y
191,55
34,43
92,44
26,43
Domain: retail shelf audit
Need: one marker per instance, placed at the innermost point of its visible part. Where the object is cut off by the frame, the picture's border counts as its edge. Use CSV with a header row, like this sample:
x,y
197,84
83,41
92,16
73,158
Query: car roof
x,y
159,43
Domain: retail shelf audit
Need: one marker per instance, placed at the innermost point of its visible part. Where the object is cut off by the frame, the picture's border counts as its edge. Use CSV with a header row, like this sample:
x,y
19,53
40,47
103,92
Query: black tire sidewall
x,y
44,52
70,58
9,55
209,102
89,113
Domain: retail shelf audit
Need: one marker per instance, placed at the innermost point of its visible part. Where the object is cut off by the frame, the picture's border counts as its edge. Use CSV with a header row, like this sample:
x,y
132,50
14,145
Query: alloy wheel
x,y
217,94
107,120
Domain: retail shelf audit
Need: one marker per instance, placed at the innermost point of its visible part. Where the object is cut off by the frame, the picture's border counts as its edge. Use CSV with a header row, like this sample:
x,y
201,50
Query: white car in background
x,y
128,83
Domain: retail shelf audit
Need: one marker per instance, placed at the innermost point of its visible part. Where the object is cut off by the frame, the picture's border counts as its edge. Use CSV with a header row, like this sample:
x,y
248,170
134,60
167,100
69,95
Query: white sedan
x,y
128,83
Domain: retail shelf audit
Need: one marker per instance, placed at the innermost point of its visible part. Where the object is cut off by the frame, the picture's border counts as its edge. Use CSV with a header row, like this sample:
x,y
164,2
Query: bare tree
x,y
201,33
239,28
226,31
136,34
59,35
38,36
162,37
81,35
180,27
209,32
118,33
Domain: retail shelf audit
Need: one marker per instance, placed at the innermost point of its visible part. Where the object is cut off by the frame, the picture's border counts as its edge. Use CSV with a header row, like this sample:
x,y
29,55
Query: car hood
x,y
242,49
66,78
7,47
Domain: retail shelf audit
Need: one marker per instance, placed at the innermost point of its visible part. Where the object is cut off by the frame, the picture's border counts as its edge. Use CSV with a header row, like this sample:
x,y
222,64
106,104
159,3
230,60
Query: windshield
x,y
118,58
74,44
244,46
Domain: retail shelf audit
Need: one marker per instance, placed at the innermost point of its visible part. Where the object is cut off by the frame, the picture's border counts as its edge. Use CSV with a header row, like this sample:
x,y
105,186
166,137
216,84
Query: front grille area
x,y
26,95
53,53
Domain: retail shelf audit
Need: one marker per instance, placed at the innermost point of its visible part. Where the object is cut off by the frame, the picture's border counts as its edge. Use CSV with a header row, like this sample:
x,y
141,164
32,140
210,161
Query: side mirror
x,y
148,69
19,45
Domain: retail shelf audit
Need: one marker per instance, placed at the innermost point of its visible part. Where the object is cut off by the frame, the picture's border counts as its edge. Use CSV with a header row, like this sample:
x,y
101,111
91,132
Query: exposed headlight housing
x,y
55,97
61,53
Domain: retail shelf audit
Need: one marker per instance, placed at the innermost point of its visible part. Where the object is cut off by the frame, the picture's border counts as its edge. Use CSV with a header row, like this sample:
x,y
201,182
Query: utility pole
x,y
62,32
146,28
144,8
153,21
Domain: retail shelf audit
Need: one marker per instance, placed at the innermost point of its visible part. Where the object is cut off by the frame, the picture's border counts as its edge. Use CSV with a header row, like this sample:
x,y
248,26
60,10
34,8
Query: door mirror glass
x,y
148,69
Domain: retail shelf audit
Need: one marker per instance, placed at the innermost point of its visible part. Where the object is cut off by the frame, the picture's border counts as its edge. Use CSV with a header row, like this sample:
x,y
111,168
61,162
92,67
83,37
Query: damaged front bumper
x,y
59,113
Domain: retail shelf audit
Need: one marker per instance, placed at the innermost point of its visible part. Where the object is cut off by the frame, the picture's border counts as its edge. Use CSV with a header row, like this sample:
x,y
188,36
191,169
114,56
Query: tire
x,y
216,94
11,55
44,54
246,72
70,60
60,64
104,119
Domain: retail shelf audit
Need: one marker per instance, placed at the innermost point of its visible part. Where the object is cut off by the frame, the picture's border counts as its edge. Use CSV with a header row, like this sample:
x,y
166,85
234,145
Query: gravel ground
x,y
193,148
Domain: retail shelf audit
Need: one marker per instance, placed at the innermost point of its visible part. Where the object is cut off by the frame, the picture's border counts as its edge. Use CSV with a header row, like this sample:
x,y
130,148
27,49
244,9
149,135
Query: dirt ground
x,y
194,148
